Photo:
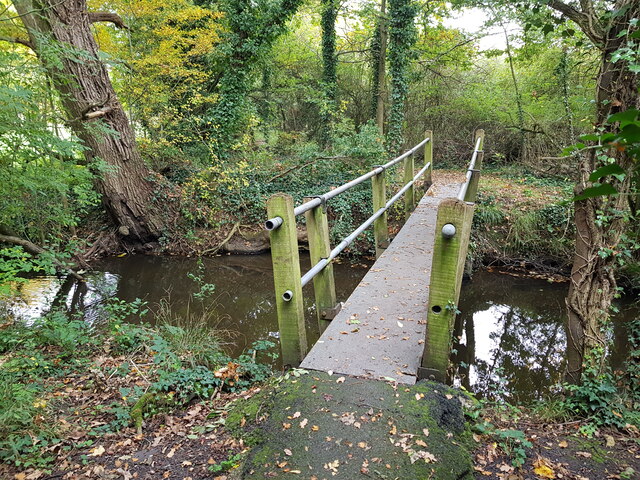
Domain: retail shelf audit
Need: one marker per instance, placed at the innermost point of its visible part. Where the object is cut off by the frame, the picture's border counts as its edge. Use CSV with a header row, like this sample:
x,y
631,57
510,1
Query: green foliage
x,y
225,465
402,37
329,64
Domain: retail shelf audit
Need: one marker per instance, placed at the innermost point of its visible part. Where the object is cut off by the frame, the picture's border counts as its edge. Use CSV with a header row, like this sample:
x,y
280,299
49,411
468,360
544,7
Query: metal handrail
x,y
324,262
463,189
275,222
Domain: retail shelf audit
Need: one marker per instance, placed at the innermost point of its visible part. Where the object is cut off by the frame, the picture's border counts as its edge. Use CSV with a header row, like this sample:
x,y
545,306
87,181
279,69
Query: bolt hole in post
x,y
436,309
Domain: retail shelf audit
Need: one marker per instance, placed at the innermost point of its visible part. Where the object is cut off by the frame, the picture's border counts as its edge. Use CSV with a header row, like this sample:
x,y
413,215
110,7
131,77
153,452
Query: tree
x,y
379,67
60,35
402,36
329,67
600,220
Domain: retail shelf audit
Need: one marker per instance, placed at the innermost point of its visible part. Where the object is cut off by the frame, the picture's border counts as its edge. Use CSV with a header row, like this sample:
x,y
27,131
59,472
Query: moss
x,y
313,421
245,416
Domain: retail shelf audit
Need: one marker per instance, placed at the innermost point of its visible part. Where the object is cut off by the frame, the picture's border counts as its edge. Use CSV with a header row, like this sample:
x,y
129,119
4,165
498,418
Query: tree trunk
x,y
593,284
382,68
61,36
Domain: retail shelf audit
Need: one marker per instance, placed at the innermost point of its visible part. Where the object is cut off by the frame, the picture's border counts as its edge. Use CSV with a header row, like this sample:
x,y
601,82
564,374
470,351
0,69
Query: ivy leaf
x,y
596,191
611,169
625,118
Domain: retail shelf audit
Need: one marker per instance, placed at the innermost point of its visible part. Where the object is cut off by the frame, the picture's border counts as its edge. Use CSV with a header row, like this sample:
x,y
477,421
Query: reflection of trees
x,y
525,344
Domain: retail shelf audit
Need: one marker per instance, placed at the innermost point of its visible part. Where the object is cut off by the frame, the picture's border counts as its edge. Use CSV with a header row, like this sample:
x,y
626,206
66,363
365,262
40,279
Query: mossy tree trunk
x,y
600,221
60,34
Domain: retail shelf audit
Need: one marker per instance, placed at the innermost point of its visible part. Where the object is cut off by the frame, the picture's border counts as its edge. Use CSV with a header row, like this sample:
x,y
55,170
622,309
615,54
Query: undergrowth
x,y
51,370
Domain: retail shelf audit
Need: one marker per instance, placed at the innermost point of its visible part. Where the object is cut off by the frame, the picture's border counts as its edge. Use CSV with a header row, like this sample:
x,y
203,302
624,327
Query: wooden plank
x,y
449,255
380,331
286,275
380,229
324,287
409,196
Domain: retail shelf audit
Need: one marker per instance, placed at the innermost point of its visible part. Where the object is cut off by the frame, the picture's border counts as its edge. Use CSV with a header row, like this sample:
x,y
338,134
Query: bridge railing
x,y
284,245
453,229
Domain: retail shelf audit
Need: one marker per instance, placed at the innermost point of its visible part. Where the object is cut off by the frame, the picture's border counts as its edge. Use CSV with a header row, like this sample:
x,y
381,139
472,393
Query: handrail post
x,y
286,275
319,247
453,227
472,190
428,158
380,229
410,195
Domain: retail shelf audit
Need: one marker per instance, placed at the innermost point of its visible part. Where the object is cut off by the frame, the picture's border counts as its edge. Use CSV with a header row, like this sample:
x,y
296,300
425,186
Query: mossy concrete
x,y
318,426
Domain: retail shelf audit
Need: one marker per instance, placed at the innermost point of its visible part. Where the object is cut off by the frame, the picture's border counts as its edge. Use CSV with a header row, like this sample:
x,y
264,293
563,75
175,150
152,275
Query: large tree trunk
x,y
61,36
593,282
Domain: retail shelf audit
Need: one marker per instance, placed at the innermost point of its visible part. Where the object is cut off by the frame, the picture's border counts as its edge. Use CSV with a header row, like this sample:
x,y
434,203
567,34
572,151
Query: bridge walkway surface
x,y
380,331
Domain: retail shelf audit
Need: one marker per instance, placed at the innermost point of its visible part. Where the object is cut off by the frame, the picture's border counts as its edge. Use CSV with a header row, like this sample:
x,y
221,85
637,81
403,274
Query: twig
x,y
215,250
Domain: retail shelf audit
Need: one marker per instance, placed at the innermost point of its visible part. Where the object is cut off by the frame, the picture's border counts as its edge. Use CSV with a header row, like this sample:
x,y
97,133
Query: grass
x,y
523,218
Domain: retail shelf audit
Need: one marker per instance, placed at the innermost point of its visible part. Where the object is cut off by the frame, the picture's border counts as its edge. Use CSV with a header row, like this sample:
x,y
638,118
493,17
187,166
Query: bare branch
x,y
18,40
98,113
95,17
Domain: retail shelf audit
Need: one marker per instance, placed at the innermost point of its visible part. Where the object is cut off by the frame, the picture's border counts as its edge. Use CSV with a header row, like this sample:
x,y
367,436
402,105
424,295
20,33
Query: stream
x,y
509,335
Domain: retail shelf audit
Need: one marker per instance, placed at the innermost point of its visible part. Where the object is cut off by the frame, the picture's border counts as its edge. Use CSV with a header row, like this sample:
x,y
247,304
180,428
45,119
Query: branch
x,y
98,113
18,40
584,20
36,250
95,17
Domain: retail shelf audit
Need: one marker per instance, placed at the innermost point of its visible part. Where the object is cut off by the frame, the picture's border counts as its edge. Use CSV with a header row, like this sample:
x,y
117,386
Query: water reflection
x,y
510,328
511,333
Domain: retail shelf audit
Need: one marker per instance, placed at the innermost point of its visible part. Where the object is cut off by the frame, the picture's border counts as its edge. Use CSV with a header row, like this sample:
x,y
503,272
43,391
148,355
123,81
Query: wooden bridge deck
x,y
380,331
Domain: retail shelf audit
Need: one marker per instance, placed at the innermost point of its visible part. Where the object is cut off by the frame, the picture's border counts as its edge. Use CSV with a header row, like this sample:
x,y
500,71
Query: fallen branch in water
x,y
37,250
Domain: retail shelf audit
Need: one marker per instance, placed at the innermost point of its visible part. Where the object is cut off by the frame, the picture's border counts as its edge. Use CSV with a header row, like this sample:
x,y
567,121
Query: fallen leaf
x,y
303,423
315,428
295,415
97,451
583,454
610,441
340,380
563,444
288,452
543,470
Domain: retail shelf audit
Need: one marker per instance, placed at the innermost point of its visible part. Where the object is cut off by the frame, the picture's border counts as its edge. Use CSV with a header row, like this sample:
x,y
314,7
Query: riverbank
x,y
132,401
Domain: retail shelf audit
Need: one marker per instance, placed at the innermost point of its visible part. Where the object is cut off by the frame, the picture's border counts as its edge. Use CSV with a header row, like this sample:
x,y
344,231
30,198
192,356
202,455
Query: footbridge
x,y
397,323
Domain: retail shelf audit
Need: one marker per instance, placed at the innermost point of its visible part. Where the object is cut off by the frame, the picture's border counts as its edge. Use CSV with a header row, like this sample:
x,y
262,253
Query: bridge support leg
x,y
380,229
472,190
428,158
286,275
410,195
449,255
324,283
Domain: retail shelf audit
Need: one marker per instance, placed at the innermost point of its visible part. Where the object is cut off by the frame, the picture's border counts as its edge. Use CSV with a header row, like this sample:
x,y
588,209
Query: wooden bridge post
x,y
380,229
319,247
428,158
472,191
286,275
449,254
410,194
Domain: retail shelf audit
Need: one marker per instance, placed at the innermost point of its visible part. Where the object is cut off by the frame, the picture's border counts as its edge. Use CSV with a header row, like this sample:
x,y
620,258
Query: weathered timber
x,y
472,192
319,247
428,158
380,330
380,229
449,256
410,195
286,275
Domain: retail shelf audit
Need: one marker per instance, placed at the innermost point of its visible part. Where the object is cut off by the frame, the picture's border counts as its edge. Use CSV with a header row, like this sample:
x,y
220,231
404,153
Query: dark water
x,y
510,330
510,337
